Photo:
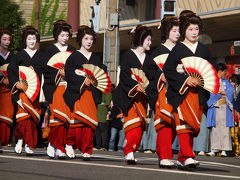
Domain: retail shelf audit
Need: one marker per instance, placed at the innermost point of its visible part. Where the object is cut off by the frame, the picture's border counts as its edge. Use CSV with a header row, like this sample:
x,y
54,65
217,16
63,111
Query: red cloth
x,y
165,138
81,138
186,146
4,133
132,140
27,130
57,137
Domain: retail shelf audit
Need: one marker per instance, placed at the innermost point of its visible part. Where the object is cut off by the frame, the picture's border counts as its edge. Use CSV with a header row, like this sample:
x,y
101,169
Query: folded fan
x,y
3,69
140,77
58,60
100,77
29,77
160,60
204,71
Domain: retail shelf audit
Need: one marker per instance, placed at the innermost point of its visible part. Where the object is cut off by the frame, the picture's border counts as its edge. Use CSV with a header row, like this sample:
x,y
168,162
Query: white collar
x,y
86,55
193,48
5,56
61,48
30,52
140,58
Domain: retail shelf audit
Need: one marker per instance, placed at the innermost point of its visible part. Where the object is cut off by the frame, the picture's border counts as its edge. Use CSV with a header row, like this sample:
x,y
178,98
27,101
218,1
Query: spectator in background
x,y
219,116
101,133
201,142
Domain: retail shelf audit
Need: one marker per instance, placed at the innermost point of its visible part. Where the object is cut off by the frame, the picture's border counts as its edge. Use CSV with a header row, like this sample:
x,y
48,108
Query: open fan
x,y
101,78
29,77
160,60
58,60
204,71
140,77
3,69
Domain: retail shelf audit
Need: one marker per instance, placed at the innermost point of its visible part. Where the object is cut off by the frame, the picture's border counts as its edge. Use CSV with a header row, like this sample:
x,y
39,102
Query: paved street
x,y
106,165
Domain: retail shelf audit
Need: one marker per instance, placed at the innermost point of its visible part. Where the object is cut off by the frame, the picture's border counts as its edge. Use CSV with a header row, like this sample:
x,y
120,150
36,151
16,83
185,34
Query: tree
x,y
47,16
11,18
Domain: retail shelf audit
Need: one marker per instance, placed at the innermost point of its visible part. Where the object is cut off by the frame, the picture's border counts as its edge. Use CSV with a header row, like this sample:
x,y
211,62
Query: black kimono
x,y
50,74
5,61
176,81
152,89
75,82
124,96
23,59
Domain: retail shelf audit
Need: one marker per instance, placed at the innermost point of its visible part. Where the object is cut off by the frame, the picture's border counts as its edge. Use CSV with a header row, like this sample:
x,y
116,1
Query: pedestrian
x,y
183,93
220,115
131,96
6,111
54,87
28,111
163,119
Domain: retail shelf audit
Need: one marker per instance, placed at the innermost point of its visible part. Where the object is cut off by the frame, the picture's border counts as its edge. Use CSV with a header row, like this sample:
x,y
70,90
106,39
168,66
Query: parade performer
x,y
81,96
163,119
54,87
183,92
131,95
29,110
6,111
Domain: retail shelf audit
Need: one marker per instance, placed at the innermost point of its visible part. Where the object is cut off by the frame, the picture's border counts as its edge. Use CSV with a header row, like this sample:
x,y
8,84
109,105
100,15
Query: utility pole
x,y
111,39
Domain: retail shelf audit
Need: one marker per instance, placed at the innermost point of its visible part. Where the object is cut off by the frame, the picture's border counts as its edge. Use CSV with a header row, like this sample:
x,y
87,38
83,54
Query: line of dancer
x,y
69,96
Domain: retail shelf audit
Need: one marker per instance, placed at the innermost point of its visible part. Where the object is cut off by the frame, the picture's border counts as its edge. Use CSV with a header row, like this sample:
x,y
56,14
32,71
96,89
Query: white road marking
x,y
117,166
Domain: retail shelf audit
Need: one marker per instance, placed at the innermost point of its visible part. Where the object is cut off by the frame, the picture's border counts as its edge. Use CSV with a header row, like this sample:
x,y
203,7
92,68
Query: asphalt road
x,y
106,165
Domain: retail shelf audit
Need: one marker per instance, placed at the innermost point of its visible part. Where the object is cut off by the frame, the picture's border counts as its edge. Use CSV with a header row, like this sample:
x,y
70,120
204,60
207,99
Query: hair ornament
x,y
159,25
133,31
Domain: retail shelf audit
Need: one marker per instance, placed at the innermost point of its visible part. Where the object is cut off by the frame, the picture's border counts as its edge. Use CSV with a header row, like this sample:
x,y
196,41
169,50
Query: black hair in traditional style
x,y
82,30
167,24
59,26
139,35
29,30
5,31
188,17
221,67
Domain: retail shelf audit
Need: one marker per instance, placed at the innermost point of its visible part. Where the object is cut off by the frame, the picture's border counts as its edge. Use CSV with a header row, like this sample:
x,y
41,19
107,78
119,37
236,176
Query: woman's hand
x,y
222,93
192,82
5,81
163,78
62,72
140,88
21,86
88,81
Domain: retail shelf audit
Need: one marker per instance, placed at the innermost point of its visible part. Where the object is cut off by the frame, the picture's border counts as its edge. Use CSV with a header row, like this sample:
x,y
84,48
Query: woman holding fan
x,y
81,95
6,111
131,94
24,73
183,93
163,119
54,86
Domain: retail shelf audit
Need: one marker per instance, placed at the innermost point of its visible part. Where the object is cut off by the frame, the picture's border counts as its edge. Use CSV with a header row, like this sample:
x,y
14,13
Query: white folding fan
x,y
3,69
29,77
160,60
204,71
58,60
140,77
101,78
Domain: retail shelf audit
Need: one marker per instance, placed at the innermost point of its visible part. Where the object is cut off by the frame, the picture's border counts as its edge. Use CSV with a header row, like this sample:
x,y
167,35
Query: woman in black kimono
x,y
6,111
81,96
54,86
28,113
163,119
131,97
183,93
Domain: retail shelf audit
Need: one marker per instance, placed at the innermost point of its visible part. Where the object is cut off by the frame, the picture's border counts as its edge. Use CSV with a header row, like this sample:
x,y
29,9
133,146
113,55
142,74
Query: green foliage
x,y
47,16
11,18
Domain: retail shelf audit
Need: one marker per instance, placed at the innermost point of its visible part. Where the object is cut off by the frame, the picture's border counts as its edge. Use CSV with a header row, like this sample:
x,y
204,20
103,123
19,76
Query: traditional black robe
x,y
50,73
123,94
75,83
5,61
176,81
152,90
23,59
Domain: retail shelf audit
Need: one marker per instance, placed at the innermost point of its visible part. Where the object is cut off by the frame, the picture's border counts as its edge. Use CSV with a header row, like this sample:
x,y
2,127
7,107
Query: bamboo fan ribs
x,y
204,71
